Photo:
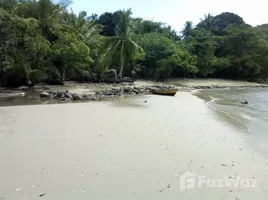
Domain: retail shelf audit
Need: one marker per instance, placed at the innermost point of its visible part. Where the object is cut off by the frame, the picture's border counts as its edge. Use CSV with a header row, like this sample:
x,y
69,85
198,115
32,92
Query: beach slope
x,y
126,149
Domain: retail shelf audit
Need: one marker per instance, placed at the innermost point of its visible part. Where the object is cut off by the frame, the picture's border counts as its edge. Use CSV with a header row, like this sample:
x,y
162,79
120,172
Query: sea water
x,y
251,118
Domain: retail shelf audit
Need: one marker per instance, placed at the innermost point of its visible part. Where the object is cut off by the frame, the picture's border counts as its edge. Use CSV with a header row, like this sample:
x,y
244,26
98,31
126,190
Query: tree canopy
x,y
46,41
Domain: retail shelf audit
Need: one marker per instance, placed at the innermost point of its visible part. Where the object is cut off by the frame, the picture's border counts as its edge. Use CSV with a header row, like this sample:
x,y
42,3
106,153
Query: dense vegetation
x,y
44,42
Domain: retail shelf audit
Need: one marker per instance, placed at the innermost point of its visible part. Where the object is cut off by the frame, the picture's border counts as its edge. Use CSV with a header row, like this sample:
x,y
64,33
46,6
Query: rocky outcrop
x,y
108,93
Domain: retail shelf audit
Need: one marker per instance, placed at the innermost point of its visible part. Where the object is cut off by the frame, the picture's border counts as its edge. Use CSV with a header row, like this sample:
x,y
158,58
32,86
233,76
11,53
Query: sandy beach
x,y
125,149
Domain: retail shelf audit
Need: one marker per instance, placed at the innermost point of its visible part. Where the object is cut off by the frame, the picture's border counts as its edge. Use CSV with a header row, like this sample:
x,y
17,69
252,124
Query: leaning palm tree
x,y
119,48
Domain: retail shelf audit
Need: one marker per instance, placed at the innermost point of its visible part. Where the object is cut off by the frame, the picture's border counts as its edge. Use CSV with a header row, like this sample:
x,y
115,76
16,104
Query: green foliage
x,y
120,48
109,22
164,58
223,20
188,28
68,53
23,48
245,48
202,44
42,41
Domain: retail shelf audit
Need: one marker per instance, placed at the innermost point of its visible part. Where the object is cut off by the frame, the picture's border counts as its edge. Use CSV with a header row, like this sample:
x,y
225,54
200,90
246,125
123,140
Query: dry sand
x,y
124,150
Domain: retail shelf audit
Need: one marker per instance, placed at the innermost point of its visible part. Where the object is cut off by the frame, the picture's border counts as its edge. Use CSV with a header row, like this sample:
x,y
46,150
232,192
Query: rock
x,y
88,96
136,91
128,90
68,95
59,95
95,98
42,194
63,98
244,102
44,94
76,97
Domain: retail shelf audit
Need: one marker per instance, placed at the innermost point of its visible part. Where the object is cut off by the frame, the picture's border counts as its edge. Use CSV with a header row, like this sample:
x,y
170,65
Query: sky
x,y
177,12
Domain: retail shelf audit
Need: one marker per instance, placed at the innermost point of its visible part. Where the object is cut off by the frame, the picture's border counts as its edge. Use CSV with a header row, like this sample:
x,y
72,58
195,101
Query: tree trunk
x,y
62,76
122,60
115,74
27,71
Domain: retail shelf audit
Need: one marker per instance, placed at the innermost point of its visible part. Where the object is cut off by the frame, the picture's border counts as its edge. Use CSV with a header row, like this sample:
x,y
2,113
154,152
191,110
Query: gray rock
x,y
99,93
60,95
128,90
44,94
244,102
68,95
95,98
88,96
137,91
77,97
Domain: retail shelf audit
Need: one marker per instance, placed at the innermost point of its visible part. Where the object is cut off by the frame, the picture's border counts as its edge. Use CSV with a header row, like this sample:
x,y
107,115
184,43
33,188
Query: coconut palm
x,y
119,48
188,27
206,22
45,11
82,25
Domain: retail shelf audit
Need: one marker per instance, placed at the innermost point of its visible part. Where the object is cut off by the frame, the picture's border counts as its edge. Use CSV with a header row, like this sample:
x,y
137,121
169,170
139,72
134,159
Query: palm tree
x,y
120,47
82,25
206,22
45,11
188,28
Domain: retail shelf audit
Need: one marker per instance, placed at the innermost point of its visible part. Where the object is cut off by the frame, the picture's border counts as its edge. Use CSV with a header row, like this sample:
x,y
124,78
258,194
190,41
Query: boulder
x,y
128,90
137,91
60,95
68,95
76,97
44,94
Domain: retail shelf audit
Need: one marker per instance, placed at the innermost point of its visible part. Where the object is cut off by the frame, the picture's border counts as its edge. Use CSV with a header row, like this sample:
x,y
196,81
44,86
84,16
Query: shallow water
x,y
251,118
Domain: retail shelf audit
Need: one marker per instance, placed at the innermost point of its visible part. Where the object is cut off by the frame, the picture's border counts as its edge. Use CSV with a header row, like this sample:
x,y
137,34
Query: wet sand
x,y
124,149
211,82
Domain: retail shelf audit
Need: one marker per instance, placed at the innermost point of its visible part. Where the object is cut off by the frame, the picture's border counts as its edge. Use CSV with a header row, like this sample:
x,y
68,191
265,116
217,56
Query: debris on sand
x,y
42,194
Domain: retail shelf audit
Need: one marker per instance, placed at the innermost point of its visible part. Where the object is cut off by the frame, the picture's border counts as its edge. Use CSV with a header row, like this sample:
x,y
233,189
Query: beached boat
x,y
168,92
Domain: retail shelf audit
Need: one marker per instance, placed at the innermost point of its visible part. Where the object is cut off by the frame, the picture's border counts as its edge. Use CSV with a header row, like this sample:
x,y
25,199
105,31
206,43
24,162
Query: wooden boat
x,y
167,92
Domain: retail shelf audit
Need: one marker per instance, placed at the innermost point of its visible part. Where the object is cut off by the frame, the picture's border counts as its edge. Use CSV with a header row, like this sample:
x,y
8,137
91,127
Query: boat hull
x,y
165,92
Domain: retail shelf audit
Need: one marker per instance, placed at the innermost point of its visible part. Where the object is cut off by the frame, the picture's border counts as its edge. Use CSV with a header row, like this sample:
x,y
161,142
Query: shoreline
x,y
124,149
73,91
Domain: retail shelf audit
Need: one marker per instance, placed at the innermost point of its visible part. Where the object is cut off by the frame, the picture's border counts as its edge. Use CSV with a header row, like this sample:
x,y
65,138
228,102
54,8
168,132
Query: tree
x,y
8,4
46,12
207,22
223,20
245,48
164,58
70,54
187,30
120,47
23,50
202,44
109,22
